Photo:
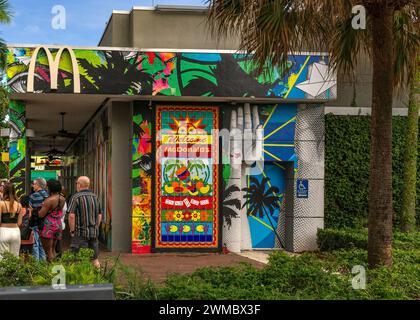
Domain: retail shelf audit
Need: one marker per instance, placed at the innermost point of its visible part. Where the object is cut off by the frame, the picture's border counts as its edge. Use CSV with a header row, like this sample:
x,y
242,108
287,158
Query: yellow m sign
x,y
54,65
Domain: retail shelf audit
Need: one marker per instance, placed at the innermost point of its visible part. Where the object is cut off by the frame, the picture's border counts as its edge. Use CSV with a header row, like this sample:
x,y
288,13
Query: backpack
x,y
35,220
25,229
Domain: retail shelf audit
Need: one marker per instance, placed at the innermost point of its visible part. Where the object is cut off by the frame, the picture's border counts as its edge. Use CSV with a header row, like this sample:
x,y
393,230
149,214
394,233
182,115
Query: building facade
x,y
187,146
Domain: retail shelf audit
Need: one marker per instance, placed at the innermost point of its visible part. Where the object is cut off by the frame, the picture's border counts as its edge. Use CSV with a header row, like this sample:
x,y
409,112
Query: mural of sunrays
x,y
278,122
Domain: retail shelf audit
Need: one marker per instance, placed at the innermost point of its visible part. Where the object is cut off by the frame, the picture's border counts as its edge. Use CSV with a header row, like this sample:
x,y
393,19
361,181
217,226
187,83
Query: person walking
x,y
36,199
85,217
10,219
50,214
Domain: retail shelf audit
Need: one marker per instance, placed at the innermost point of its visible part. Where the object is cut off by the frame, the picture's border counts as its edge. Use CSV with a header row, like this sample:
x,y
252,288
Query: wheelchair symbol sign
x,y
302,188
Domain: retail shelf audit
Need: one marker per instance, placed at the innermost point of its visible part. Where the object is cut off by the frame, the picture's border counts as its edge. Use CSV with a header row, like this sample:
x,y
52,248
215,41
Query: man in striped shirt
x,y
85,216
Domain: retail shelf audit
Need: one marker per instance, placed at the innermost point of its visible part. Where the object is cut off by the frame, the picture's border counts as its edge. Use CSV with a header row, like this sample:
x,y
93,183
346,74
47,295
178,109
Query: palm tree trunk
x,y
408,222
380,182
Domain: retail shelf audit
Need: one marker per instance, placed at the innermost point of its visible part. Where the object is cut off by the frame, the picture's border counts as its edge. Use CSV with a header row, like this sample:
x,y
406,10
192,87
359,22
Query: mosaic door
x,y
187,178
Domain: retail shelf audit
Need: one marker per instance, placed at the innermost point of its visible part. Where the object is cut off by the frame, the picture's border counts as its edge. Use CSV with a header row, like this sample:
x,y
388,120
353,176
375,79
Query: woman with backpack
x,y
51,214
11,213
26,233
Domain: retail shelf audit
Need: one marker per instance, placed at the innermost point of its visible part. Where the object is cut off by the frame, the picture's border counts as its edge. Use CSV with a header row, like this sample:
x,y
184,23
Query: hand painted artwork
x,y
257,200
264,196
17,145
187,177
268,188
142,181
172,74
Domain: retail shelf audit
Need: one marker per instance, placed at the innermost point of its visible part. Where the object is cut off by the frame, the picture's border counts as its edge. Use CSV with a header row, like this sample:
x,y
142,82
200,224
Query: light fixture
x,y
30,133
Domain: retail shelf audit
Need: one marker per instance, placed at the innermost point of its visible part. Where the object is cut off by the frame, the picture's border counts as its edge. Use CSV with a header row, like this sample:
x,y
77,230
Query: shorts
x,y
78,242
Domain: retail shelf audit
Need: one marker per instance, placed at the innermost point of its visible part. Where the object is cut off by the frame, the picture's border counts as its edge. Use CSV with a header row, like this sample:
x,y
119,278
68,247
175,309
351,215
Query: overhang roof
x,y
170,74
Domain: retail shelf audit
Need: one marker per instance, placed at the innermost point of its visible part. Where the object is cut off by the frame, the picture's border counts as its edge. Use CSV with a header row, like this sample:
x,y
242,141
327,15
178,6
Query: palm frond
x,y
232,202
227,193
5,12
407,43
272,29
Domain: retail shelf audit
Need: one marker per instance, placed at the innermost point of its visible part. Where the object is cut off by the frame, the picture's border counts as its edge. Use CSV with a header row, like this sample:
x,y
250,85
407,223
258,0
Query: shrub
x,y
17,271
333,239
347,167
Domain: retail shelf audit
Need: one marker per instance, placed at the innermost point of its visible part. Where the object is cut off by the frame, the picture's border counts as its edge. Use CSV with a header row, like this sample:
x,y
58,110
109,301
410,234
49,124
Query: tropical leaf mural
x,y
169,74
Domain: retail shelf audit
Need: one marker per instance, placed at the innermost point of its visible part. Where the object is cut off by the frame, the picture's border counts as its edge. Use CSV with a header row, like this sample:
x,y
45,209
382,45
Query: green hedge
x,y
347,166
334,239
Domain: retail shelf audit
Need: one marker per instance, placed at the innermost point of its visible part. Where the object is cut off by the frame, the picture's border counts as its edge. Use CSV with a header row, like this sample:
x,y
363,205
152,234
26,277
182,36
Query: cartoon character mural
x,y
174,74
17,145
187,174
142,179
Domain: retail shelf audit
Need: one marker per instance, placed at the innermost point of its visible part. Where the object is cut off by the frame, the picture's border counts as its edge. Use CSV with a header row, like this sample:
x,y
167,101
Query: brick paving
x,y
158,266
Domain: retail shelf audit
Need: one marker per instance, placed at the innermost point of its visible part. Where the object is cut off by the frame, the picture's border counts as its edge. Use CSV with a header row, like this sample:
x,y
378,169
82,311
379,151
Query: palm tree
x,y
259,201
5,18
231,206
270,29
172,166
196,166
408,213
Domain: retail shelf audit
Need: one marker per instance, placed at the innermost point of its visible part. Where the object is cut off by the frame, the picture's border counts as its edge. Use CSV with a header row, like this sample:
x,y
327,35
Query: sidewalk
x,y
158,266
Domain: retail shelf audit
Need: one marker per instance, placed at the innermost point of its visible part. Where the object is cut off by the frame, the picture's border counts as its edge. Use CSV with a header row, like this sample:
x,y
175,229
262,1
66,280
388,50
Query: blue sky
x,y
85,20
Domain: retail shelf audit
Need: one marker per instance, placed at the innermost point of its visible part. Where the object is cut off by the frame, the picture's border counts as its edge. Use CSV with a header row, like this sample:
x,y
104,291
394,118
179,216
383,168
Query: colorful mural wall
x,y
261,195
17,145
94,160
187,177
279,133
174,74
142,179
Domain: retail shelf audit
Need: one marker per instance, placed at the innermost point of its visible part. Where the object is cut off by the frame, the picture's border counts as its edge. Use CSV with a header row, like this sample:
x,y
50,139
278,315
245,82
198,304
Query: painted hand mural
x,y
254,200
245,149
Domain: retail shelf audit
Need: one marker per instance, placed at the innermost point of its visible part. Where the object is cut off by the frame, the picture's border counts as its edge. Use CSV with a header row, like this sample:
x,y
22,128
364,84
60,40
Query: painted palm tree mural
x,y
278,148
263,202
231,205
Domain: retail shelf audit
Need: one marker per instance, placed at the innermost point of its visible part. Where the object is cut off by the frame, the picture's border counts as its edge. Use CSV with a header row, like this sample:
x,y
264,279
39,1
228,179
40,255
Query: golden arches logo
x,y
54,65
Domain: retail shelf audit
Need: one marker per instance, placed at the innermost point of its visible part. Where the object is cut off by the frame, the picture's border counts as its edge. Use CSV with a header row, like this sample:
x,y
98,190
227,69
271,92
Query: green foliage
x,y
332,239
307,276
29,272
335,239
130,284
316,275
347,167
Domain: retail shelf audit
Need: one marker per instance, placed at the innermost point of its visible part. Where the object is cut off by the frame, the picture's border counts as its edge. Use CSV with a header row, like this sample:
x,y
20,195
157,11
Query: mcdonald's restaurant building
x,y
145,125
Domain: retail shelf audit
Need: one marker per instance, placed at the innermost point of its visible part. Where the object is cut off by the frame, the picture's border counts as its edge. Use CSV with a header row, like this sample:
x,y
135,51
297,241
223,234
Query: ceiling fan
x,y
62,132
53,153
